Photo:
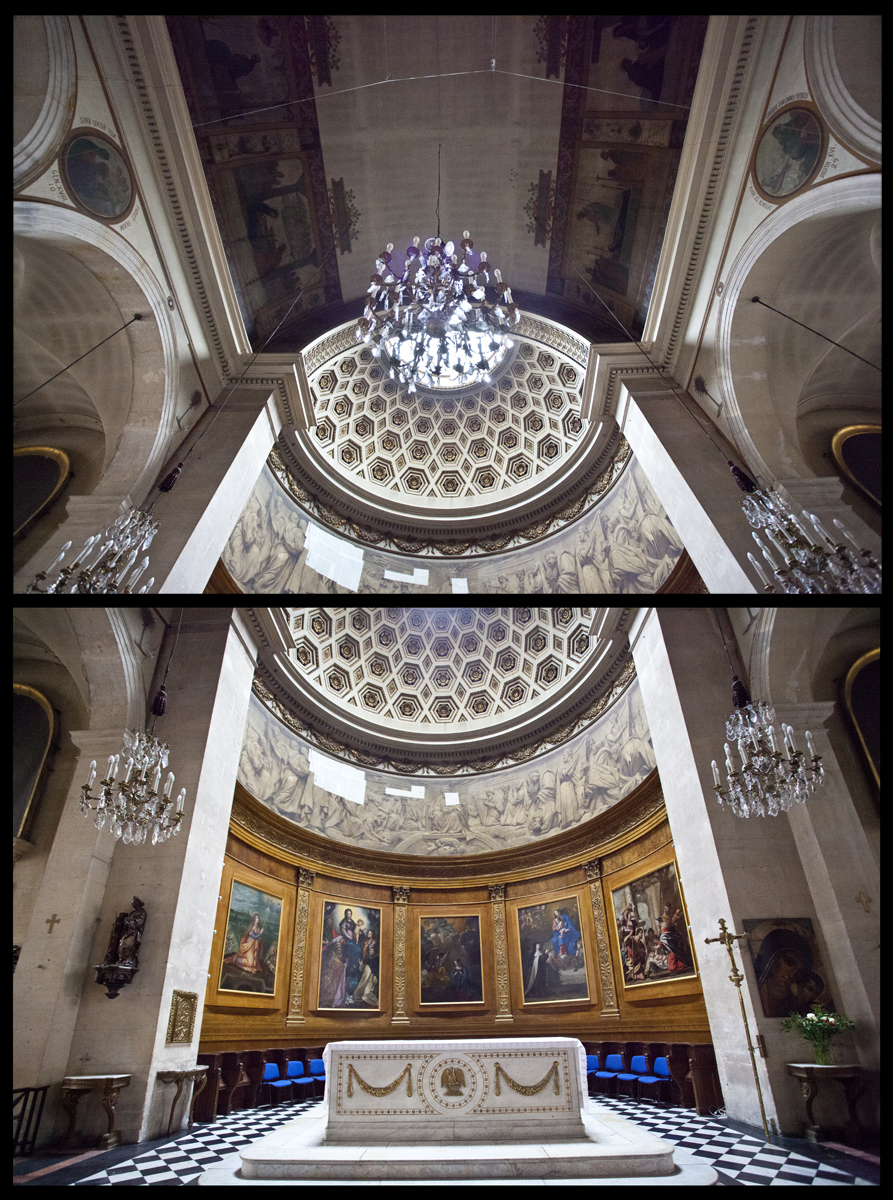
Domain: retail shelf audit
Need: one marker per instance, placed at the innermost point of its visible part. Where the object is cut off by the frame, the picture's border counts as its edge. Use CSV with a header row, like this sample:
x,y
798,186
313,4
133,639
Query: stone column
x,y
401,898
606,971
692,482
295,1016
198,516
178,880
503,994
844,881
729,867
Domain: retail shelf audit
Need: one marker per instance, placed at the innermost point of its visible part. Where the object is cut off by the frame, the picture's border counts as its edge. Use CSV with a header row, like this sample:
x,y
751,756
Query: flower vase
x,y
823,1054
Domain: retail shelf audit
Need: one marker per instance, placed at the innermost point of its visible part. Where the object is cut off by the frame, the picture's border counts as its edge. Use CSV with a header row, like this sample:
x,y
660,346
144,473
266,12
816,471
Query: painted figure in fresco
x,y
568,786
366,991
249,954
565,937
534,983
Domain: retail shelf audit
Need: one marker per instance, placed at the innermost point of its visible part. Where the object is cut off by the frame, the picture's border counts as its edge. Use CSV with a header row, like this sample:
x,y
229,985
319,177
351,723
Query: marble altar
x,y
478,1090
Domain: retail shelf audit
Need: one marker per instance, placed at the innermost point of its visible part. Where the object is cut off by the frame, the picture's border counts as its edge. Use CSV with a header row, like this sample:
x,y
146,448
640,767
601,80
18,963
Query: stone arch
x,y
45,92
843,66
78,280
814,259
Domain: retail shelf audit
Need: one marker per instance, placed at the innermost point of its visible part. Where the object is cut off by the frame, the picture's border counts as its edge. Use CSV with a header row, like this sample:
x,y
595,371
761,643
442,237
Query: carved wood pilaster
x,y
594,875
295,1004
401,898
503,995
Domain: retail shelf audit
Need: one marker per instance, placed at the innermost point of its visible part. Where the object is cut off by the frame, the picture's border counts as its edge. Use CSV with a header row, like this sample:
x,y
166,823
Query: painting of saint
x,y
98,177
788,964
350,957
652,930
789,152
553,958
450,960
251,941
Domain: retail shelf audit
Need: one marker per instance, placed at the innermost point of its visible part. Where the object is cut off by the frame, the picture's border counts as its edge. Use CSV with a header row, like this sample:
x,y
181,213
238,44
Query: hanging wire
x,y
136,317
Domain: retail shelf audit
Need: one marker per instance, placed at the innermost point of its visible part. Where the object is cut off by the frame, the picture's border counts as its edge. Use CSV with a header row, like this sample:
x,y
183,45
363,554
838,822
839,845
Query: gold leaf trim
x,y
534,1089
382,1091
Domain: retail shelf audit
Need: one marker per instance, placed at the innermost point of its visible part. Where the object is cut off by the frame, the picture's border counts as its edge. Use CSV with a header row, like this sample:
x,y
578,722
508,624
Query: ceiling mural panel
x,y
564,788
624,544
622,129
249,86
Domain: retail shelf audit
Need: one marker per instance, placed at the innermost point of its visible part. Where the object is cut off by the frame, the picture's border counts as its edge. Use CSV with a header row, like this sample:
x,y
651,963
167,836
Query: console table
x,y
809,1075
74,1086
195,1075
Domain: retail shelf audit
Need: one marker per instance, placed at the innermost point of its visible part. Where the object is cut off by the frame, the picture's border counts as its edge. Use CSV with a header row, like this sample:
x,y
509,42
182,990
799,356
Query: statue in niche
x,y
121,960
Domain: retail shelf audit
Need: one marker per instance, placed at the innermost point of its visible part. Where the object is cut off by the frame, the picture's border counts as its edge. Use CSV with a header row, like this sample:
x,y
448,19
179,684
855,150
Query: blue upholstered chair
x,y
318,1071
274,1089
606,1080
296,1074
591,1068
627,1081
660,1082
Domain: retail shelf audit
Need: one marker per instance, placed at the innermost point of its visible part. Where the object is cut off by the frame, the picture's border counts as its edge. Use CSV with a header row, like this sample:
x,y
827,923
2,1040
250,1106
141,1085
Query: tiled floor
x,y
738,1157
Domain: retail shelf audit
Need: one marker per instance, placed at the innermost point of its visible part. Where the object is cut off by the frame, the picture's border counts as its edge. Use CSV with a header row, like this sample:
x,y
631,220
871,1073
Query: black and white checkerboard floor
x,y
739,1158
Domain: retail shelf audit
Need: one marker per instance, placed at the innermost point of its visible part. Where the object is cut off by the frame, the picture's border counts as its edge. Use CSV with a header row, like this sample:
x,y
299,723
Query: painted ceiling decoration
x,y
580,174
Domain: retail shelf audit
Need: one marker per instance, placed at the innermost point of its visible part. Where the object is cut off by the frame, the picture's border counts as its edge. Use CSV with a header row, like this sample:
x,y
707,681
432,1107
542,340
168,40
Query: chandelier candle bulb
x,y
809,745
729,767
127,770
742,750
770,734
169,783
756,566
716,779
181,800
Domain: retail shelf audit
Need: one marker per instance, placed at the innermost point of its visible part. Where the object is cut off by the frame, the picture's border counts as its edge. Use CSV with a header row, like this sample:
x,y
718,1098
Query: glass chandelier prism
x,y
440,321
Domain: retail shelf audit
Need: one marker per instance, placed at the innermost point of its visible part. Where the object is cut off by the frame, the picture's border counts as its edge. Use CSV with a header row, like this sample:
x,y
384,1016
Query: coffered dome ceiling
x,y
439,732
435,688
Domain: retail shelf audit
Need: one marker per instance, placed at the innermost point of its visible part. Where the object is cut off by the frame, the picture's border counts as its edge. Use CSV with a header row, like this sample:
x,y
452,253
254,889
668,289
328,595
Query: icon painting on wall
x,y
788,964
553,959
97,176
349,956
252,941
652,929
450,960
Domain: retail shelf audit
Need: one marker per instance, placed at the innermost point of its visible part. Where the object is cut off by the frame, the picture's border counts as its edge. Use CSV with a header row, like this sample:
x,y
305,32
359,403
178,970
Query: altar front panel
x,y
474,1090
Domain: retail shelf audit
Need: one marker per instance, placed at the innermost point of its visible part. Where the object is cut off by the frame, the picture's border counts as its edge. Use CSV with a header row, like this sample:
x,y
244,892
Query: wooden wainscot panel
x,y
250,964
552,955
649,929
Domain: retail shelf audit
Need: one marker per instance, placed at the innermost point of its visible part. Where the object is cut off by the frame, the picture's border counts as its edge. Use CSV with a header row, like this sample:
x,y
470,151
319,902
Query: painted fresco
x,y
97,176
624,545
251,941
450,960
350,956
789,153
553,958
260,149
623,126
652,929
497,809
788,965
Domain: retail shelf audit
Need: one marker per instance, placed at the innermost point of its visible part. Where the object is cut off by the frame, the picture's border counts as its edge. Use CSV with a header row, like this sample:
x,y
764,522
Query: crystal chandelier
x,y
105,560
434,322
767,782
133,806
811,565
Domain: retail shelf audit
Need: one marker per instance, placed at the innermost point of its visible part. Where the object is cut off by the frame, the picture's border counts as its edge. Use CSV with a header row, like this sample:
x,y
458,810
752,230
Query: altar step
x,y
614,1151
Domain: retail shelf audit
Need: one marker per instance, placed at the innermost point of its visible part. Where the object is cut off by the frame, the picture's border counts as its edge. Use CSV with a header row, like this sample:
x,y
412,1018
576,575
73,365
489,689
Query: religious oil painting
x,y
97,176
788,965
350,956
450,960
553,959
789,153
252,941
652,929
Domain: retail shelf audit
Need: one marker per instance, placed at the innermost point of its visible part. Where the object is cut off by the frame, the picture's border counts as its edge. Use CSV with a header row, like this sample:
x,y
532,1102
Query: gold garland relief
x,y
502,974
400,959
534,1089
382,1091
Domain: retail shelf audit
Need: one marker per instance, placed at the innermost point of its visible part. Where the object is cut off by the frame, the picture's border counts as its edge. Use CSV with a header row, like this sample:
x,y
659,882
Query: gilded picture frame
x,y
650,930
450,963
251,948
552,952
349,974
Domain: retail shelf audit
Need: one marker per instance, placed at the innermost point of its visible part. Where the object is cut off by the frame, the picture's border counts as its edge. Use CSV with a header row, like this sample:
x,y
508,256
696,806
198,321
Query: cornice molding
x,y
628,820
